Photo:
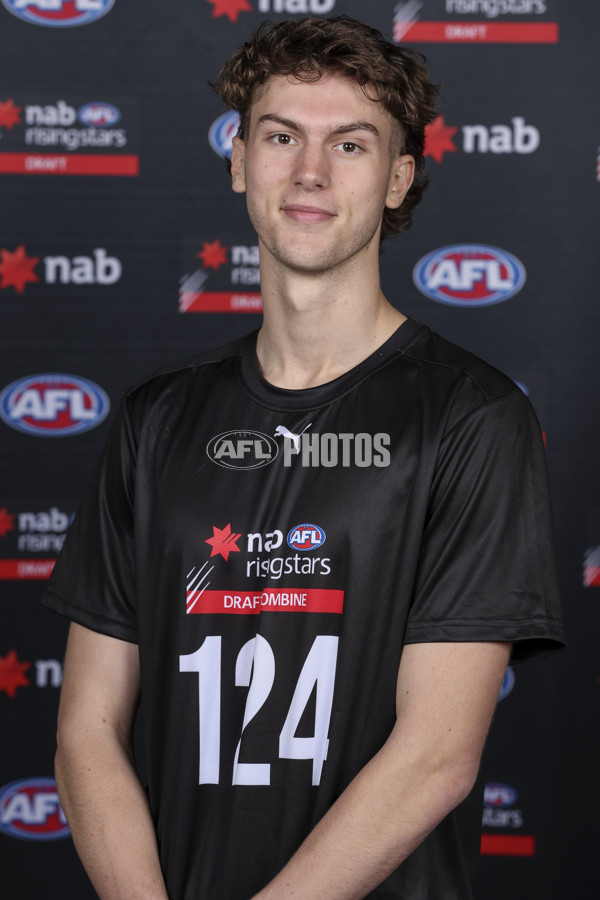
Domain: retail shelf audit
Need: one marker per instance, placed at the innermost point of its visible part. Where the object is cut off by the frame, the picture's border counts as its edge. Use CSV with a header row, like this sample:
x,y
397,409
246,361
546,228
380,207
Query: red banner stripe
x,y
251,603
63,164
25,569
220,301
507,845
479,32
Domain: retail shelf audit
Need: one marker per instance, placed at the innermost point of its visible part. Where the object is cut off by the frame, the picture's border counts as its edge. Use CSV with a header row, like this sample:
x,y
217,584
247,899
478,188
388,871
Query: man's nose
x,y
312,166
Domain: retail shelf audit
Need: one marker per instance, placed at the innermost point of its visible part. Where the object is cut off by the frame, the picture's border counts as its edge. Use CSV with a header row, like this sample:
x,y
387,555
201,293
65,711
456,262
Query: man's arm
x,y
100,792
446,695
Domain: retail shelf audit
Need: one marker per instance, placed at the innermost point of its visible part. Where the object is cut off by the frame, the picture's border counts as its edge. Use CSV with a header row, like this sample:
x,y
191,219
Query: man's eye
x,y
282,139
349,147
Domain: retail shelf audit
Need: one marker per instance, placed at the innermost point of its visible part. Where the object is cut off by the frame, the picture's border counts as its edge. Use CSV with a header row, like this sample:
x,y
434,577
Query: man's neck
x,y
315,328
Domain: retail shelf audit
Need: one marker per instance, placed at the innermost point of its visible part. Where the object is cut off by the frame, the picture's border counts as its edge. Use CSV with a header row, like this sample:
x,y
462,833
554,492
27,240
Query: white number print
x,y
255,669
255,654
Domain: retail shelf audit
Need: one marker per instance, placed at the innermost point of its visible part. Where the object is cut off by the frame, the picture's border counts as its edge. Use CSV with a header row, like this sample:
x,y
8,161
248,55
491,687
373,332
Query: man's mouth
x,y
303,214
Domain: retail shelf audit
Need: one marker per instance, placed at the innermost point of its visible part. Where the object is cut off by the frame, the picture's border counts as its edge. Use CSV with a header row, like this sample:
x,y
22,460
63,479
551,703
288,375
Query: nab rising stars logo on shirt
x,y
58,13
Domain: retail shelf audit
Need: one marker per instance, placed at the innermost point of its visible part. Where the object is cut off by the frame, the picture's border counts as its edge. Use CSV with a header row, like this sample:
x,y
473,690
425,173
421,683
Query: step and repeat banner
x,y
122,247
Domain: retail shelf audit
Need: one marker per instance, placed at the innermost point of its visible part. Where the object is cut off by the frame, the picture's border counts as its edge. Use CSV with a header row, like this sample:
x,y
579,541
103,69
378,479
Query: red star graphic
x,y
16,269
7,522
213,255
12,673
229,8
9,114
438,139
223,541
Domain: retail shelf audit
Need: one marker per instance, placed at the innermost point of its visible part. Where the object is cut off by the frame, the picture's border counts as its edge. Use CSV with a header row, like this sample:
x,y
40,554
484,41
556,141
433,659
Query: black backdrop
x,y
121,248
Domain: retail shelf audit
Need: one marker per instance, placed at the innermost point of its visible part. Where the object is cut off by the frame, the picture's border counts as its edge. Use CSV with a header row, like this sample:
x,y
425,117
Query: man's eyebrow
x,y
280,120
341,129
357,126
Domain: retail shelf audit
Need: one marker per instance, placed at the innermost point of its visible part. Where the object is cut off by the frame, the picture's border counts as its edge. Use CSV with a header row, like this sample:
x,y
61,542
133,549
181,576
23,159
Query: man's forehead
x,y
333,95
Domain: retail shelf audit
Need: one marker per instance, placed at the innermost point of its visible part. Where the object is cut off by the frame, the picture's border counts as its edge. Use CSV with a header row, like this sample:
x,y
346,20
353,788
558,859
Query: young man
x,y
310,551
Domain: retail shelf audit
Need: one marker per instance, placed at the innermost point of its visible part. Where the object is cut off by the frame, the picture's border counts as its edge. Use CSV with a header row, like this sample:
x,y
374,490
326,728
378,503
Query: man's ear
x,y
401,178
238,175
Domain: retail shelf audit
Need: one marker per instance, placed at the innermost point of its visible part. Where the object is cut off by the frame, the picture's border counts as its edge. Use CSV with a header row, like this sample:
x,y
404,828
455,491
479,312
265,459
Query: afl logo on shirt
x,y
306,537
53,405
469,275
242,449
58,13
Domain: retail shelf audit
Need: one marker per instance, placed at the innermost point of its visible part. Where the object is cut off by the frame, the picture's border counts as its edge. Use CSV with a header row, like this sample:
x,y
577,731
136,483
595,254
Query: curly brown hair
x,y
306,48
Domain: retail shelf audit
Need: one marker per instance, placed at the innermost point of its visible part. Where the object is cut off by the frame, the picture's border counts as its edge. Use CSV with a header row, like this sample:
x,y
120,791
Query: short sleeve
x,y
487,566
93,581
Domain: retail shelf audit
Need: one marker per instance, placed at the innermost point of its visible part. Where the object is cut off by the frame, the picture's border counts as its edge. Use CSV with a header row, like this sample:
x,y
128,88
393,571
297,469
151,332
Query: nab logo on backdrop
x,y
499,812
517,138
232,8
46,134
30,810
48,673
17,269
225,281
30,541
469,275
59,13
476,21
53,405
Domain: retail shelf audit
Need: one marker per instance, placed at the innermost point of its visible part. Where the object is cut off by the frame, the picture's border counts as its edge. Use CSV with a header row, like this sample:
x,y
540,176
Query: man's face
x,y
317,169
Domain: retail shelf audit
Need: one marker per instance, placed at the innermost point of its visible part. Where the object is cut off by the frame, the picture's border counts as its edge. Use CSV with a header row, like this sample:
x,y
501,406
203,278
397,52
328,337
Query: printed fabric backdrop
x,y
122,248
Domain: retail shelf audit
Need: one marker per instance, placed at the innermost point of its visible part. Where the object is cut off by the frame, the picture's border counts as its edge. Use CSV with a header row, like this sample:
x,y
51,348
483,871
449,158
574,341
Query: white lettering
x,y
56,5
522,138
244,256
31,811
28,404
296,6
526,137
274,539
102,269
54,520
445,275
48,672
59,114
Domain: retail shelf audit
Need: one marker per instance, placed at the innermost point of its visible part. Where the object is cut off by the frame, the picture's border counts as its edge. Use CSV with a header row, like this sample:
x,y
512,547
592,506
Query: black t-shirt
x,y
271,551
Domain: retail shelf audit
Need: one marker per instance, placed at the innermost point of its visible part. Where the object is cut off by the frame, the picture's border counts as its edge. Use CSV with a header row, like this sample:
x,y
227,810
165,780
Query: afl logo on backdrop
x,y
59,13
306,537
242,449
499,795
99,115
508,683
53,405
469,275
30,809
222,132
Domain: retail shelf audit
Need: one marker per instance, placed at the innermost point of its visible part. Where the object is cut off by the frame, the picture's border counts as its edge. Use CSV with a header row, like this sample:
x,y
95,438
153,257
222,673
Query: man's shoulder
x,y
447,363
169,374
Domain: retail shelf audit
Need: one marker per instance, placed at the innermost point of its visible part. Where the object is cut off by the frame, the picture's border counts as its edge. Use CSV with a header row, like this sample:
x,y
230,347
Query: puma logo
x,y
282,431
